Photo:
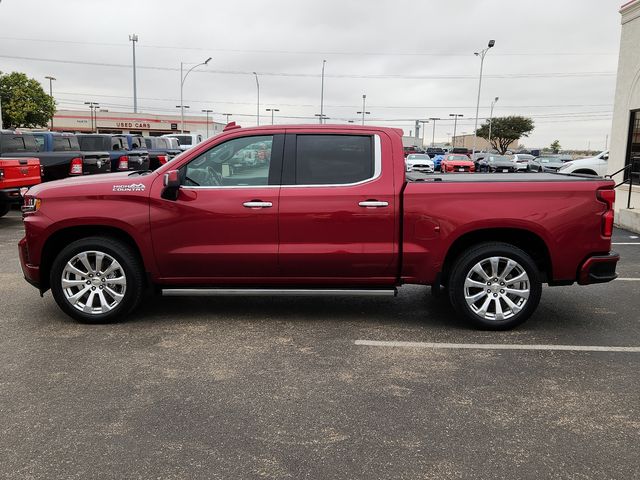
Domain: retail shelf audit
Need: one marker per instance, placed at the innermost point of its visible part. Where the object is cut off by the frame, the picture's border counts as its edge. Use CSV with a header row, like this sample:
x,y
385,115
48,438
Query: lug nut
x,y
93,288
488,289
501,291
502,284
101,287
495,294
90,275
88,282
488,283
103,279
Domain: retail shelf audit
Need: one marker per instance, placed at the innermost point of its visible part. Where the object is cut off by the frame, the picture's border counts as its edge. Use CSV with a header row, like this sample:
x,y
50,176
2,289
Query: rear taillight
x,y
608,197
76,166
1,173
123,163
41,171
162,159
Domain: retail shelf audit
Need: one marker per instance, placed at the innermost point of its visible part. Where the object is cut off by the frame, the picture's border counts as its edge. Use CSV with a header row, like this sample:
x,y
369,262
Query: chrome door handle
x,y
258,204
373,204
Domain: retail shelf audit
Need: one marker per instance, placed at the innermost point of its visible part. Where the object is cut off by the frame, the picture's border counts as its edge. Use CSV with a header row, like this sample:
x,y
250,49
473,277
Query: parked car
x,y
82,163
336,215
16,174
481,163
116,146
187,140
461,151
433,151
521,161
59,155
419,162
588,166
457,163
501,164
411,150
437,162
158,148
547,163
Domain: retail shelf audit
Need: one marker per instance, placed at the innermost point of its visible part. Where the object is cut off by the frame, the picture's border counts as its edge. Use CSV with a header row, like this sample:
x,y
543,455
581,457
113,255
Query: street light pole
x,y
51,79
134,38
480,54
272,110
364,110
227,115
93,106
495,100
455,126
207,112
423,122
182,80
322,93
258,104
433,135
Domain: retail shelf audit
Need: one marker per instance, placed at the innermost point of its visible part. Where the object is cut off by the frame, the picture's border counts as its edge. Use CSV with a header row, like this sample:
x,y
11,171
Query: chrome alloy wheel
x,y
93,282
496,288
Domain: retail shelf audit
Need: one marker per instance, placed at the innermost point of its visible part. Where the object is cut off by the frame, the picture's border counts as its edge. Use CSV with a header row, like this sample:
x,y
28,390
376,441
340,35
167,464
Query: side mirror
x,y
171,183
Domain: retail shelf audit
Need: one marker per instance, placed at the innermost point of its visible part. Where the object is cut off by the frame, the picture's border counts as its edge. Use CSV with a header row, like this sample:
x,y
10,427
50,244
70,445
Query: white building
x,y
625,132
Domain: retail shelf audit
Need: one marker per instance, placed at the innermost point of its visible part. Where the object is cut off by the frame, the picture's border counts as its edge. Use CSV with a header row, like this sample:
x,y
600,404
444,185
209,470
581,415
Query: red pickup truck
x,y
15,174
330,211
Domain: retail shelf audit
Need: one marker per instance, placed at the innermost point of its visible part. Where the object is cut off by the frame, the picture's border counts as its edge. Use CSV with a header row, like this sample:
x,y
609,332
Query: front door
x,y
223,227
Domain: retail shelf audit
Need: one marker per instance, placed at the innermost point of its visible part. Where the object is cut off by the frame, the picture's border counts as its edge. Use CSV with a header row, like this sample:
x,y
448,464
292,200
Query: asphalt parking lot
x,y
297,388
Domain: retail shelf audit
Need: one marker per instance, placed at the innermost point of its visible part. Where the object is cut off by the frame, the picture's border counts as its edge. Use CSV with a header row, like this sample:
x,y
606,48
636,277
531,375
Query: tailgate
x,y
19,172
96,162
138,160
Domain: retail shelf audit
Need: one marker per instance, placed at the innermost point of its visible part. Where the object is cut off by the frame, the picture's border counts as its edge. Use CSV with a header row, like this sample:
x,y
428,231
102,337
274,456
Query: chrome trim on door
x,y
373,204
258,204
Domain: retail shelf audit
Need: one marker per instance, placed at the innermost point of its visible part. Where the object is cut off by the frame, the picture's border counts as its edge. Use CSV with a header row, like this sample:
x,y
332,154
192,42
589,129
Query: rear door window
x,y
13,143
333,159
62,144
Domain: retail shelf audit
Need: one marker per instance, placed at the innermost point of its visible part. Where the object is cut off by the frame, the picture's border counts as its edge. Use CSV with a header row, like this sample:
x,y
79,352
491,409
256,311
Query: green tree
x,y
555,146
505,130
24,102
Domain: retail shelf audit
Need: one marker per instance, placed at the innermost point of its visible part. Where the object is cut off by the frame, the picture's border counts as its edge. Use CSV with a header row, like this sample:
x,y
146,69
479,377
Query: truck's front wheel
x,y
97,280
4,208
495,285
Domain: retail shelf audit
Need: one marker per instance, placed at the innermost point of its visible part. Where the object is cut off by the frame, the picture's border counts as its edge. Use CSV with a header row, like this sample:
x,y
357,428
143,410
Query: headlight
x,y
565,166
31,205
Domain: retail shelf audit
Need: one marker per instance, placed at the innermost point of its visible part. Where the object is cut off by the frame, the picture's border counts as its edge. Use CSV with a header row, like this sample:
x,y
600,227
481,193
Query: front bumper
x,y
31,272
598,269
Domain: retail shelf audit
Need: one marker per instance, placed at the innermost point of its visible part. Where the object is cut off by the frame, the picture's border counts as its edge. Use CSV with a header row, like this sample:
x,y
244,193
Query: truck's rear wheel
x,y
97,280
496,286
4,209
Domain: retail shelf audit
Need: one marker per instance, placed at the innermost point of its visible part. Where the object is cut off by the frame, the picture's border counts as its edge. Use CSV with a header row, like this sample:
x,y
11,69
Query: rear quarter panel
x,y
565,215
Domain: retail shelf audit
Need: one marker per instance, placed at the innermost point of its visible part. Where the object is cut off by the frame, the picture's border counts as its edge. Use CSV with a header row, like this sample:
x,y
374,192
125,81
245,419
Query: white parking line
x,y
495,346
625,243
629,279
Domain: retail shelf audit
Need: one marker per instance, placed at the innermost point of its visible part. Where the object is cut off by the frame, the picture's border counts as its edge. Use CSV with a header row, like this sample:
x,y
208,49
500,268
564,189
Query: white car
x,y
521,161
419,162
187,140
590,166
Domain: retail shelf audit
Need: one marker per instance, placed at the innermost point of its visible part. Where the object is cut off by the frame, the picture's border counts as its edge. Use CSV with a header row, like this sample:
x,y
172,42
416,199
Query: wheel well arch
x,y
60,238
526,240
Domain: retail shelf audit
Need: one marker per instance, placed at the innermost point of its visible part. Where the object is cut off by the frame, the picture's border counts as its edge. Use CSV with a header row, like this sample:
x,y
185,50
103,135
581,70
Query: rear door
x,y
337,210
223,227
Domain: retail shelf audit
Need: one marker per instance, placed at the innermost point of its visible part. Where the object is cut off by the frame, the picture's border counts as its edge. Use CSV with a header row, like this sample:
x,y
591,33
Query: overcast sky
x,y
553,60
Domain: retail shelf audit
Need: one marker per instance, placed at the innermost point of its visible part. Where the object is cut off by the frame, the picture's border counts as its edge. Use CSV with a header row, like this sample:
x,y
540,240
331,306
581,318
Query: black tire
x,y
124,255
4,208
463,266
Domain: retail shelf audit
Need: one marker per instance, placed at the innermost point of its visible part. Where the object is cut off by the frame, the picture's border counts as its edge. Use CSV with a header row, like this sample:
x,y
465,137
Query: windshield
x,y
418,156
457,158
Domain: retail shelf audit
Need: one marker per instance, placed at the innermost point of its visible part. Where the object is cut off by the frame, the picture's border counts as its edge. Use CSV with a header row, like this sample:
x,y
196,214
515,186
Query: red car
x,y
332,214
457,163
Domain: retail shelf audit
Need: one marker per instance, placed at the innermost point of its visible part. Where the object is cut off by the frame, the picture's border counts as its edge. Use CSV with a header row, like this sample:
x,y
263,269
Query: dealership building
x,y
625,132
147,124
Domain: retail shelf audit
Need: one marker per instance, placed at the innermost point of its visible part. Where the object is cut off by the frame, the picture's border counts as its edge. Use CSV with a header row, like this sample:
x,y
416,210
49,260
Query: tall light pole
x,y
423,122
258,104
433,134
207,112
455,126
364,110
93,106
480,54
227,115
322,93
51,80
182,79
493,104
133,38
272,110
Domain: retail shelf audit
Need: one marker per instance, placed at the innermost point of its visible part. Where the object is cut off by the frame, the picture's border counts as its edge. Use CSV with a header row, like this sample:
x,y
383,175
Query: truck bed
x,y
416,177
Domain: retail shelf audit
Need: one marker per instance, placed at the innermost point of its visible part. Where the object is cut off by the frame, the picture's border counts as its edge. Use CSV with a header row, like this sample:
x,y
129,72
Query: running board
x,y
208,292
